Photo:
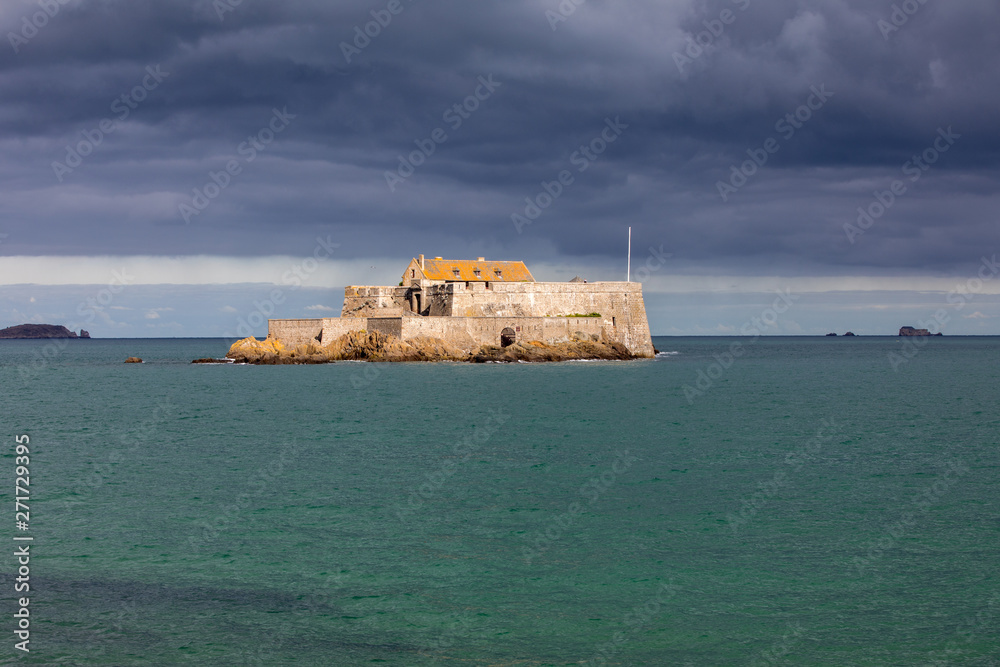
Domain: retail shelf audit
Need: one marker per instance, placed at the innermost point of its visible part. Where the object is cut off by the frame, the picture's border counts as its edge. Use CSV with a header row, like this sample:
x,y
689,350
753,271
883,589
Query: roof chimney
x,y
480,259
421,262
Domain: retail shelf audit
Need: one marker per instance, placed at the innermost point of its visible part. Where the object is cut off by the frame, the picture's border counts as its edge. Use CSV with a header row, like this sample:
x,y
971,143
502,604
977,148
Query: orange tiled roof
x,y
444,269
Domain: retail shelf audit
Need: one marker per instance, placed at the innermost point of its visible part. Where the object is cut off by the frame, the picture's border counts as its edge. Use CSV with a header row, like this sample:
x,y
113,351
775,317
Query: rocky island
x,y
910,331
464,310
25,331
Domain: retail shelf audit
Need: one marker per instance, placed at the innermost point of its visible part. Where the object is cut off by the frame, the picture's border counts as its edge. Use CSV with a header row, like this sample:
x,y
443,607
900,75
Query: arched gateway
x,y
507,337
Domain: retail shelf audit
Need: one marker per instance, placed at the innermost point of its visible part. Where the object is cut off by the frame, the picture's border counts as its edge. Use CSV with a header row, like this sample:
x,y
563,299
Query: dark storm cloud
x,y
689,120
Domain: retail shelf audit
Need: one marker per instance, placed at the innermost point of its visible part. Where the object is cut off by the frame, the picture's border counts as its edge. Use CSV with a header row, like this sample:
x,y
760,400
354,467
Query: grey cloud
x,y
613,58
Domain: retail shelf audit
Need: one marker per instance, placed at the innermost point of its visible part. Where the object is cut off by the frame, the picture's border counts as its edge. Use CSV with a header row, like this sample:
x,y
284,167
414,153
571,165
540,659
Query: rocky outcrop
x,y
378,346
353,346
910,331
253,351
536,351
38,331
84,333
133,360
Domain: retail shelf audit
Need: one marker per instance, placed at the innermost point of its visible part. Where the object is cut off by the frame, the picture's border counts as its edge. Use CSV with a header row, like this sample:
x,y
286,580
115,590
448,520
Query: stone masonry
x,y
471,313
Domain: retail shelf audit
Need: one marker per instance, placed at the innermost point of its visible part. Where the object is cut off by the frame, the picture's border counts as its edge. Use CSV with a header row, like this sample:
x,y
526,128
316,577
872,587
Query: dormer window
x,y
498,272
456,271
478,273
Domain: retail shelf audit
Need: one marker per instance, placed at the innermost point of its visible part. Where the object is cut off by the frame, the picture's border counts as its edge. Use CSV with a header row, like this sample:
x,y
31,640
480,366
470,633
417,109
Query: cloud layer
x,y
742,136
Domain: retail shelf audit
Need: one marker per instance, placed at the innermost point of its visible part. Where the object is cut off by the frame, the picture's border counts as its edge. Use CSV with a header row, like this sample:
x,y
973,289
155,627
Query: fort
x,y
472,303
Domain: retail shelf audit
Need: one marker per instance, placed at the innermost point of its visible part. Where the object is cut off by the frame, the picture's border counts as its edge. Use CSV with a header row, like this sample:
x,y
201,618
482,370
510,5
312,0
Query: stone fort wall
x,y
620,304
467,333
470,333
295,332
472,314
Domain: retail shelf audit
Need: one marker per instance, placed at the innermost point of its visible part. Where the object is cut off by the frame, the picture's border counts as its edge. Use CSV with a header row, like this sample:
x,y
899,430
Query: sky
x,y
187,167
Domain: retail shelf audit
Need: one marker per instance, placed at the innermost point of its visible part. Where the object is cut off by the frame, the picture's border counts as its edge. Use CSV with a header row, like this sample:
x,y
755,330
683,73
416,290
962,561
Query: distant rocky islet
x,y
910,331
27,331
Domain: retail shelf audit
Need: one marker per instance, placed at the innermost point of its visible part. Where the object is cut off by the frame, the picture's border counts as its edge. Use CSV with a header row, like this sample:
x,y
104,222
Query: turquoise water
x,y
811,506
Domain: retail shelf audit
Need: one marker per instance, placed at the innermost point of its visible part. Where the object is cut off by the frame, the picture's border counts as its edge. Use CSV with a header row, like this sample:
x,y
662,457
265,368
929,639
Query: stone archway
x,y
507,337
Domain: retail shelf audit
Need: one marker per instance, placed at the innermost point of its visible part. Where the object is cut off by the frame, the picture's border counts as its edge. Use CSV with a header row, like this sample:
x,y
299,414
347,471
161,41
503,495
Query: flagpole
x,y
628,275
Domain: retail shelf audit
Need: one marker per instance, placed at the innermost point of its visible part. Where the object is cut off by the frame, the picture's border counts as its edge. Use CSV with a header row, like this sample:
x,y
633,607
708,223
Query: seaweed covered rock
x,y
536,351
359,346
353,346
378,346
423,348
308,353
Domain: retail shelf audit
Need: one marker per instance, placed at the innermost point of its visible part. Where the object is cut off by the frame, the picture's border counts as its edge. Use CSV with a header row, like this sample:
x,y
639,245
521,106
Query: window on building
x,y
455,271
477,272
413,273
498,272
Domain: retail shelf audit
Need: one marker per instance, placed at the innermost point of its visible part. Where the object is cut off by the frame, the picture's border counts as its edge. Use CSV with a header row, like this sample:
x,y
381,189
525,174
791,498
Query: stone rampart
x,y
335,327
470,333
472,314
620,304
387,325
295,332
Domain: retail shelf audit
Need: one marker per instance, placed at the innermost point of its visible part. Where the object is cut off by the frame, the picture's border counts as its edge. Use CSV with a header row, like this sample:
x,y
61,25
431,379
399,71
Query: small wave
x,y
667,354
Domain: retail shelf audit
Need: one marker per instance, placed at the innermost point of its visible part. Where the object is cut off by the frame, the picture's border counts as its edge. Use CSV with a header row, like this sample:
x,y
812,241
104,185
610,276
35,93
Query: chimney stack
x,y
421,262
480,259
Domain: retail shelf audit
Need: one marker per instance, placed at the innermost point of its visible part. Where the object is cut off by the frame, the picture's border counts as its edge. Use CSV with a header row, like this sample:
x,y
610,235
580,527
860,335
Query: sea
x,y
734,501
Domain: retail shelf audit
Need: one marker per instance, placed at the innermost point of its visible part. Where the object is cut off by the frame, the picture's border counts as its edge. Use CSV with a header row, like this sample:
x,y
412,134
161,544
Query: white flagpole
x,y
628,276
